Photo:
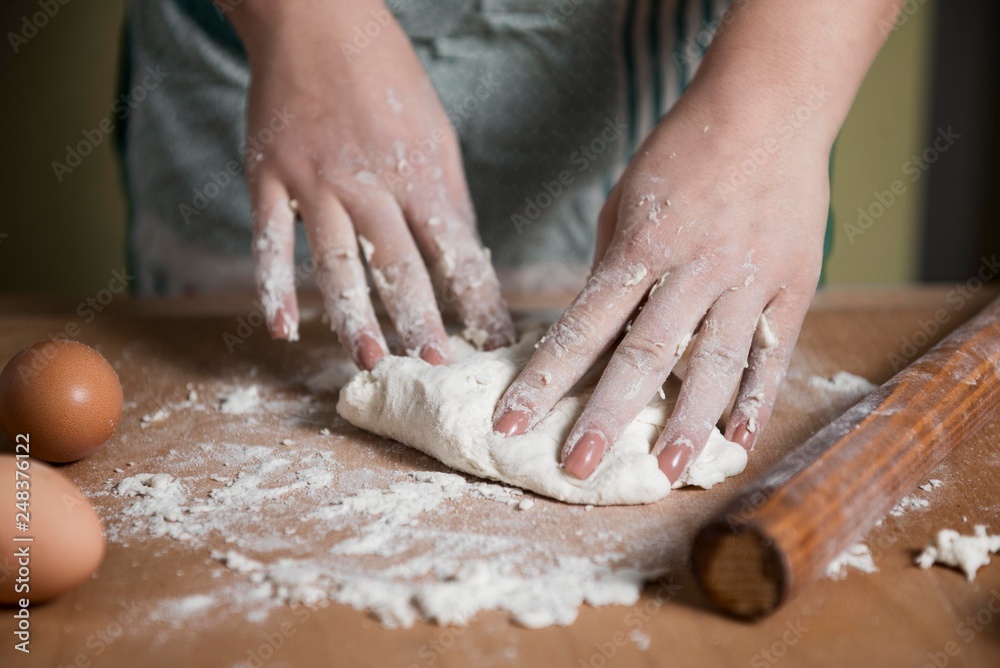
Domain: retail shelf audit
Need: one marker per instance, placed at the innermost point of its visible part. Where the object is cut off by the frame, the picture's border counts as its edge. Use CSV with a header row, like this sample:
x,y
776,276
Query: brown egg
x,y
62,394
67,540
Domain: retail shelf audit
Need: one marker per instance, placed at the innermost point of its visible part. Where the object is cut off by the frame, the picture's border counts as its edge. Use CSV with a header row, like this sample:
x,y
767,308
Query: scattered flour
x,y
968,553
640,639
159,503
908,503
389,556
857,556
157,416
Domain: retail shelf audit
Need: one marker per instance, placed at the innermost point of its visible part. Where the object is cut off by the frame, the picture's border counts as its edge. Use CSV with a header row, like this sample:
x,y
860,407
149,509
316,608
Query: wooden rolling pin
x,y
783,530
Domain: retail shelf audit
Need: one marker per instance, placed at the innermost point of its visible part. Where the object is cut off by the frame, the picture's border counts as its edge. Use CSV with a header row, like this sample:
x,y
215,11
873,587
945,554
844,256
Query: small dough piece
x,y
968,553
446,412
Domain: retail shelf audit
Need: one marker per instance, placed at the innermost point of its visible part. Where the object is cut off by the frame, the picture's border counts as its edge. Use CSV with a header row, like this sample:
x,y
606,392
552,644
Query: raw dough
x,y
966,552
446,412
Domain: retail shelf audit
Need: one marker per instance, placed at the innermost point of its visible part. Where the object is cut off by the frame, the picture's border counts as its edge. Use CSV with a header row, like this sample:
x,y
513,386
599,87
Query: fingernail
x,y
432,355
588,452
512,423
279,326
369,351
743,437
674,461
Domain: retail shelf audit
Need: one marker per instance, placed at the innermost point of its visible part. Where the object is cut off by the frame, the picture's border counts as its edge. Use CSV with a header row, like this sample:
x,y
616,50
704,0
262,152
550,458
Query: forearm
x,y
264,24
772,57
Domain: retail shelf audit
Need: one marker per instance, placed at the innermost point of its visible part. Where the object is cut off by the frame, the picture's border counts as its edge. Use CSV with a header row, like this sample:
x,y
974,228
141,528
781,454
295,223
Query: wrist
x,y
740,102
785,66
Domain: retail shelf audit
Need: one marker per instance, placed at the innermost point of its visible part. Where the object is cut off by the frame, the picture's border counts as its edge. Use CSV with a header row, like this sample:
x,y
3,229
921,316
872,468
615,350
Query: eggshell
x,y
65,395
68,542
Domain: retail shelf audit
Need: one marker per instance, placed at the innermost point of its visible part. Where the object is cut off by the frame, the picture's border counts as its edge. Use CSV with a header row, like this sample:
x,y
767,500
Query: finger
x,y
717,362
451,244
770,355
274,256
341,279
441,216
399,275
636,371
606,224
582,334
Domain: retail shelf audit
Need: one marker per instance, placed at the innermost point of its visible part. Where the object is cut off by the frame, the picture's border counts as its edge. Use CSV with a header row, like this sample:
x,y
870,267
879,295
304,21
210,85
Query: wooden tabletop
x,y
899,616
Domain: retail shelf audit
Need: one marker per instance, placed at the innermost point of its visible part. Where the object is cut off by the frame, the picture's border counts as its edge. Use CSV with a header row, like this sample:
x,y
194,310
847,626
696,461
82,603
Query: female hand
x,y
688,242
718,220
368,159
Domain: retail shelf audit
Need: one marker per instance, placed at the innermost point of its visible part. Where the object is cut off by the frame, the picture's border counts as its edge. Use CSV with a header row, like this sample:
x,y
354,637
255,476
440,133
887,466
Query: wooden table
x,y
900,616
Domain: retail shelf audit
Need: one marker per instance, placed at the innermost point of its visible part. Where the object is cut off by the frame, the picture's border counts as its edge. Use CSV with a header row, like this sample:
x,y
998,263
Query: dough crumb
x,y
764,336
636,273
682,344
526,504
367,247
967,553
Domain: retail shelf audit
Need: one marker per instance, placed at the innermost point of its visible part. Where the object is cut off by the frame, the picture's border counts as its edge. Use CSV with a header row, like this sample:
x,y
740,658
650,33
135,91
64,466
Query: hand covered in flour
x,y
718,220
366,158
679,252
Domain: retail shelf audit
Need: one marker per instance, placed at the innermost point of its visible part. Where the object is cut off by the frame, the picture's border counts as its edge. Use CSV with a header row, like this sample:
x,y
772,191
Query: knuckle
x,y
723,358
642,354
628,247
572,334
